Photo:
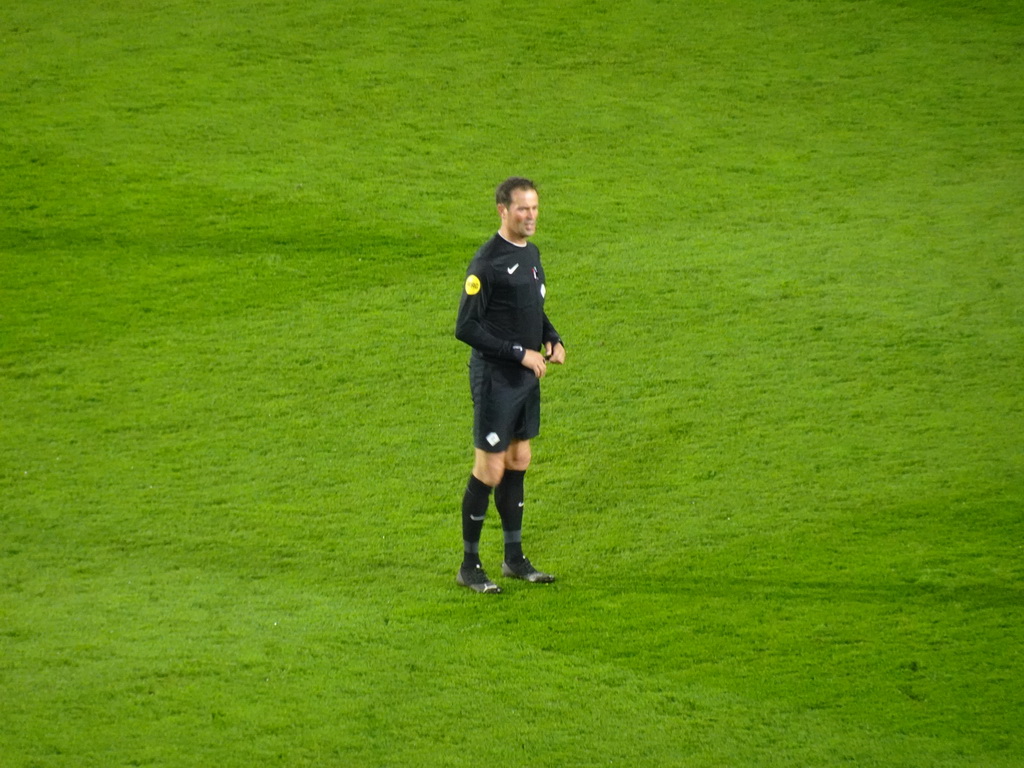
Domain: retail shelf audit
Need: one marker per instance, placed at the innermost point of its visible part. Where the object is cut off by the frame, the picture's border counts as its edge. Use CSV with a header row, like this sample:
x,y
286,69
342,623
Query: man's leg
x,y
509,499
475,500
487,472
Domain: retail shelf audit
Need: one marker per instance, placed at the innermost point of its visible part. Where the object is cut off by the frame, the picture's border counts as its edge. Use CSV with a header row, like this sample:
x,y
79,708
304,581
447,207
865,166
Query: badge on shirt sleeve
x,y
472,285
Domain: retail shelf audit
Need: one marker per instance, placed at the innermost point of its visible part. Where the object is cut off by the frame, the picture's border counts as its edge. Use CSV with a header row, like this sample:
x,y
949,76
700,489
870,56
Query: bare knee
x,y
489,468
518,456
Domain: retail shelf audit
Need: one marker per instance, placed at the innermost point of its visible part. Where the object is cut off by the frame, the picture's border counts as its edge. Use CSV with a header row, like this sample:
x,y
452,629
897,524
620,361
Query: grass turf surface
x,y
780,475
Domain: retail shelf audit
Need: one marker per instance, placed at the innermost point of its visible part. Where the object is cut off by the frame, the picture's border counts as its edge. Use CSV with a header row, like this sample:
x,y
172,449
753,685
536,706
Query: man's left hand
x,y
555,353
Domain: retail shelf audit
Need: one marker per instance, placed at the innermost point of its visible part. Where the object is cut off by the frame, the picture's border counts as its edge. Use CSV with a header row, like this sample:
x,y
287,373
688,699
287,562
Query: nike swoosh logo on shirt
x,y
513,269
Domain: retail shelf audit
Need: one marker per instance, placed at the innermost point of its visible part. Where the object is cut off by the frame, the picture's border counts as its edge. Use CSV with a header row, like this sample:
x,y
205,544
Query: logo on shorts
x,y
472,285
493,439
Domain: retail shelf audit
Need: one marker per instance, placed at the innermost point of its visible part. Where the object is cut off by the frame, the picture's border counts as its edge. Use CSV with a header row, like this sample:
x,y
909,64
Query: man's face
x,y
520,217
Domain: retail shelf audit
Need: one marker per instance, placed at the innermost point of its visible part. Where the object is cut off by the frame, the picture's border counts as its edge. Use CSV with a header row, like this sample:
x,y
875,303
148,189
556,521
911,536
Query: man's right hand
x,y
535,362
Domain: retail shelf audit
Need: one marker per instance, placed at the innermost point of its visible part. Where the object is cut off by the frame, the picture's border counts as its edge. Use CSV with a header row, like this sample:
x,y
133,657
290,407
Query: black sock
x,y
508,497
474,509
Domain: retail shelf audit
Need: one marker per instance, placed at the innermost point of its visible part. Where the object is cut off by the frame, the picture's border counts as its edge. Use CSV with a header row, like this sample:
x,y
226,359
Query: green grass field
x,y
781,476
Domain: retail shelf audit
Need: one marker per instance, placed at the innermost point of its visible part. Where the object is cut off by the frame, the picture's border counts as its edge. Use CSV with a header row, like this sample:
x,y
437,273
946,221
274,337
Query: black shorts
x,y
506,404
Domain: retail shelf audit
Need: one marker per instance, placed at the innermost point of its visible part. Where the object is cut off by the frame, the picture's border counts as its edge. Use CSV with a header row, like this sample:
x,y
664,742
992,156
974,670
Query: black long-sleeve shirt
x,y
501,313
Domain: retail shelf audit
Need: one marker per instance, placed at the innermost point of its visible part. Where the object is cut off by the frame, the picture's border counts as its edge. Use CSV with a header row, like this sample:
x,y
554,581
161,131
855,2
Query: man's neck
x,y
508,238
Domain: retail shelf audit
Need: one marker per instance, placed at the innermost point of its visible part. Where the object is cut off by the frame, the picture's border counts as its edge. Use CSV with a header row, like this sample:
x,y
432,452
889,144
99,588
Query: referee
x,y
501,316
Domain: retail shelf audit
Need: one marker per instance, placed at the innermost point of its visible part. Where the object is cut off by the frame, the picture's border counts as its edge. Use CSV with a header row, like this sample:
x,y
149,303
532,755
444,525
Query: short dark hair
x,y
503,195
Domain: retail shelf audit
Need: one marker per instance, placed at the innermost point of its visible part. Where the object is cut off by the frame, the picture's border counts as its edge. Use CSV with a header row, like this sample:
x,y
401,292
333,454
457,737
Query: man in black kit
x,y
501,316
